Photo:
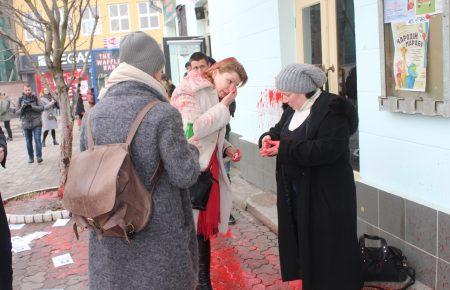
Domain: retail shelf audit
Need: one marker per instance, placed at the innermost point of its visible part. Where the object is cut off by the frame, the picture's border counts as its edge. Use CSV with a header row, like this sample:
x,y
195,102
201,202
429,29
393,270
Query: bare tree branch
x,y
54,29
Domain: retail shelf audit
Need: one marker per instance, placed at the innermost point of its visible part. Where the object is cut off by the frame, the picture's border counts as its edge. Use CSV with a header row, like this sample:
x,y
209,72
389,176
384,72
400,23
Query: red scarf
x,y
208,220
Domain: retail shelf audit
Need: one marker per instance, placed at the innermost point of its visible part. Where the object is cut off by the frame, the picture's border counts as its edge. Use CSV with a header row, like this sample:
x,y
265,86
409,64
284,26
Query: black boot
x,y
204,262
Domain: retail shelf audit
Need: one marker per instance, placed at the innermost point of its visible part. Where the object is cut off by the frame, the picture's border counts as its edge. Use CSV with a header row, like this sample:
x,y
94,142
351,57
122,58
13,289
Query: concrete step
x,y
261,204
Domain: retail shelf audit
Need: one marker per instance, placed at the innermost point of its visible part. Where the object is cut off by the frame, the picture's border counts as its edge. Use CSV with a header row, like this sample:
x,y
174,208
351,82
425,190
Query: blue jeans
x,y
29,135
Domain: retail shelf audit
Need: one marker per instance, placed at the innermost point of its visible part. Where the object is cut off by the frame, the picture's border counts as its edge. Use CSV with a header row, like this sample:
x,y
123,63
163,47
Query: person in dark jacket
x,y
5,236
30,110
316,196
79,109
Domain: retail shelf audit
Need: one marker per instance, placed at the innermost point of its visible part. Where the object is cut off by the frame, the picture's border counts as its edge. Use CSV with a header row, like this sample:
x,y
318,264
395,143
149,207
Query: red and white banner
x,y
111,42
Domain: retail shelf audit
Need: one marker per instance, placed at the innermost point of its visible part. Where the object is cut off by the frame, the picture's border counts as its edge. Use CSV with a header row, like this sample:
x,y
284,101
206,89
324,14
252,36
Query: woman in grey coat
x,y
49,122
164,254
6,114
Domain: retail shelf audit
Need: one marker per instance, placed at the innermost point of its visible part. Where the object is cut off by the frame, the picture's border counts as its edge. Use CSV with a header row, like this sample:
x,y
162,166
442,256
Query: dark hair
x,y
310,94
211,61
198,56
188,64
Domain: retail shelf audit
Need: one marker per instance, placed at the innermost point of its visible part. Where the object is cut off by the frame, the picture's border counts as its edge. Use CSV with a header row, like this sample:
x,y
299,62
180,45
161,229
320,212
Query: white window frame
x,y
27,36
89,19
119,18
149,15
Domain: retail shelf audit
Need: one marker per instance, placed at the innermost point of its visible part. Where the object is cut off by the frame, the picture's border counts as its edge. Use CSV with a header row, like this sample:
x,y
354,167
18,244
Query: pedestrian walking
x,y
30,110
316,197
164,254
79,109
203,100
6,114
49,121
91,98
5,236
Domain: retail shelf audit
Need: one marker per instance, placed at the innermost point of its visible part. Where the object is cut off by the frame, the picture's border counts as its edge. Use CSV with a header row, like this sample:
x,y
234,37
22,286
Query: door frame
x,y
328,24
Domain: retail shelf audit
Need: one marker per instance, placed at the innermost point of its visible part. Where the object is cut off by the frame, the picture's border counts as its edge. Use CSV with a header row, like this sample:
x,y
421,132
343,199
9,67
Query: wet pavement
x,y
246,258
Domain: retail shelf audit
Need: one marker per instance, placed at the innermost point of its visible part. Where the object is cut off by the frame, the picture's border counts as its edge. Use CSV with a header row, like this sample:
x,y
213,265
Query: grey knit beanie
x,y
300,78
142,51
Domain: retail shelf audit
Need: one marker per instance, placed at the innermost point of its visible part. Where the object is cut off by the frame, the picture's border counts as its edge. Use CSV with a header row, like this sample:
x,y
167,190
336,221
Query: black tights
x,y
46,134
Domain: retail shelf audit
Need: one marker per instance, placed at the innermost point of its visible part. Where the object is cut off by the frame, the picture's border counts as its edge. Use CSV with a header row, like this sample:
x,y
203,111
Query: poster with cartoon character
x,y
410,58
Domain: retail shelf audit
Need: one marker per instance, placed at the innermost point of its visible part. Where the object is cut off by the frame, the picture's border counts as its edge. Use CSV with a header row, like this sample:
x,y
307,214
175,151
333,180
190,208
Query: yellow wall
x,y
103,22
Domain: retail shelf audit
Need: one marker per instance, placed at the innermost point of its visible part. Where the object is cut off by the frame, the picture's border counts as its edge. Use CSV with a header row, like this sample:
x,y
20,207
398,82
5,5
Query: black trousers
x,y
8,128
5,251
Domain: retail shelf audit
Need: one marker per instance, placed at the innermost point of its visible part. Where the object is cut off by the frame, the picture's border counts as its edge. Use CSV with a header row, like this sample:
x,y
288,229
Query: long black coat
x,y
319,243
5,237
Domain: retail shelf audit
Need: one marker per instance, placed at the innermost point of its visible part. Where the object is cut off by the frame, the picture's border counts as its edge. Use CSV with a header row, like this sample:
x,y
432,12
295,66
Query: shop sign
x,y
105,61
68,59
111,42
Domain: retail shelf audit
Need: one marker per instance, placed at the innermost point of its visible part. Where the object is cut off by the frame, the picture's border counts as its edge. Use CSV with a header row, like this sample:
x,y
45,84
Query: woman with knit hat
x,y
164,254
203,100
316,196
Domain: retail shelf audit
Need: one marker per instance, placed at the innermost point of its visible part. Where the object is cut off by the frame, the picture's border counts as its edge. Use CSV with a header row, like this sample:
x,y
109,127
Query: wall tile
x,y
421,226
366,228
392,214
443,276
367,201
444,237
423,263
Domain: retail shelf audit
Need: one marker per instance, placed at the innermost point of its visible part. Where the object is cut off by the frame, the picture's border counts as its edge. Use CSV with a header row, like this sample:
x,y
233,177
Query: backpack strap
x,y
134,127
90,138
137,122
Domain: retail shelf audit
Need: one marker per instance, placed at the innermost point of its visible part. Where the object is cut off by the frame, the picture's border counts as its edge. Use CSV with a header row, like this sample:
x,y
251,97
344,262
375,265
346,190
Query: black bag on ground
x,y
385,263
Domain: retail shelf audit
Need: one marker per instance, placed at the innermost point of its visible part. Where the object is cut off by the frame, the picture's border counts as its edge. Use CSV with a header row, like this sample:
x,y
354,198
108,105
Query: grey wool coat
x,y
164,255
49,110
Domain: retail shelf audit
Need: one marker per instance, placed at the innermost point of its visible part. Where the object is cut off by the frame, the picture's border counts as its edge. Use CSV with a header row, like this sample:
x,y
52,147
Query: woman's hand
x,y
272,150
234,154
228,99
265,141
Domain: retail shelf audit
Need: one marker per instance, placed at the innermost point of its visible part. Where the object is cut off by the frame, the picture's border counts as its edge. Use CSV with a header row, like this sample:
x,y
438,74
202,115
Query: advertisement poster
x,y
425,7
410,58
395,10
67,76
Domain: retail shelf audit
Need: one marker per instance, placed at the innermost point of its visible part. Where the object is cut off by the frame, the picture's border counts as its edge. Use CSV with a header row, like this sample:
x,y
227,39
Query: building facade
x,y
116,19
8,71
401,154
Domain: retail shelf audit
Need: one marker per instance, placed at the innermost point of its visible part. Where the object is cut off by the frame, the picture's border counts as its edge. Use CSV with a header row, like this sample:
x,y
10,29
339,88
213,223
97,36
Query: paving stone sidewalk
x,y
247,258
19,176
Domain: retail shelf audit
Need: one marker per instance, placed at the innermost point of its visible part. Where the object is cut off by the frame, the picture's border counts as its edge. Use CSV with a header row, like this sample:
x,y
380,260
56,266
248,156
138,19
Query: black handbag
x,y
201,189
384,264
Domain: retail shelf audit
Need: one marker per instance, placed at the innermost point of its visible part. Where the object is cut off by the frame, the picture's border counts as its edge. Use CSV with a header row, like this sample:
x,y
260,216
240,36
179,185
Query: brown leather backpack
x,y
103,190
